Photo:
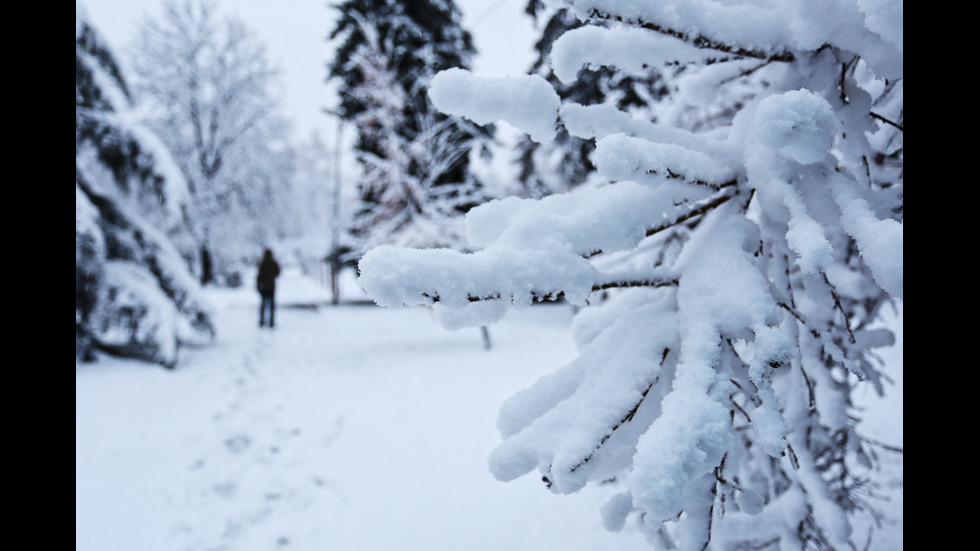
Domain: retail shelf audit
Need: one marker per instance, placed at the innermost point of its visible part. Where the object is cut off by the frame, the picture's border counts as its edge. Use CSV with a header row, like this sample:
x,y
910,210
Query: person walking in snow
x,y
265,282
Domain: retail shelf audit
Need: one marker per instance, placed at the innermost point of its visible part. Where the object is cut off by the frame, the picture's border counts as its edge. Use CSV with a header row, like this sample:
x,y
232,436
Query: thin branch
x,y
746,72
654,282
886,121
713,204
809,388
711,516
764,544
627,418
792,457
699,41
538,296
799,317
844,68
828,344
738,407
671,175
847,322
694,212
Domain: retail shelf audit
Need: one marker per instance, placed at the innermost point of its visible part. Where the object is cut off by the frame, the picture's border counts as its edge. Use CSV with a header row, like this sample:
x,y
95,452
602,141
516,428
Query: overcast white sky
x,y
295,33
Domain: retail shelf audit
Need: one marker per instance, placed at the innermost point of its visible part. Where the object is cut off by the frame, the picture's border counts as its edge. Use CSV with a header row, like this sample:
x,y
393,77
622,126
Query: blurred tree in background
x,y
415,161
133,293
566,163
206,87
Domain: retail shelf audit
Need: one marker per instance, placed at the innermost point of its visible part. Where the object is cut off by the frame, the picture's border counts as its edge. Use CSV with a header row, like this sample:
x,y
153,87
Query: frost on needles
x,y
744,238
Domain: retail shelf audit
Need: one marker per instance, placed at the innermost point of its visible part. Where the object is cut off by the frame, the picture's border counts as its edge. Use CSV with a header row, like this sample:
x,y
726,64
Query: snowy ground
x,y
346,428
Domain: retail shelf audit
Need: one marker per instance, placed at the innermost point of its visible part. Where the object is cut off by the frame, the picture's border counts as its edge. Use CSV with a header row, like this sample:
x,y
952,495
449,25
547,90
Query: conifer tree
x,y
416,180
133,294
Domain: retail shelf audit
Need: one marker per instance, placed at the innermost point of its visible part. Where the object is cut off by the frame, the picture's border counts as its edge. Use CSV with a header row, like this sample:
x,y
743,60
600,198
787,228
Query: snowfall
x,y
353,428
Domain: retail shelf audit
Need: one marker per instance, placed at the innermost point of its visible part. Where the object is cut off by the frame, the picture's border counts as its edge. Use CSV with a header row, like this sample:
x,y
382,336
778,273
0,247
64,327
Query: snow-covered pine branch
x,y
134,296
759,211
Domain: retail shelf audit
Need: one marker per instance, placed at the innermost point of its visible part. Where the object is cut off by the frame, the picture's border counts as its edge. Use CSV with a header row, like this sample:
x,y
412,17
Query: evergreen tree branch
x,y
840,308
738,407
698,41
711,515
671,175
762,545
842,83
809,388
849,66
799,317
826,343
626,418
692,213
539,296
697,211
746,72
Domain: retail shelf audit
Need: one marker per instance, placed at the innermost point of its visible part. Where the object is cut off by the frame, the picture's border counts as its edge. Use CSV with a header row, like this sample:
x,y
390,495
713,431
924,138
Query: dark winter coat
x,y
268,272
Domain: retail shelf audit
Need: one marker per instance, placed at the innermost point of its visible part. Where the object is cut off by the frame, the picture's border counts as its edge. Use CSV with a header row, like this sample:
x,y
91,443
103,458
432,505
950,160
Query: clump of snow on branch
x,y
530,248
628,49
798,124
527,102
733,263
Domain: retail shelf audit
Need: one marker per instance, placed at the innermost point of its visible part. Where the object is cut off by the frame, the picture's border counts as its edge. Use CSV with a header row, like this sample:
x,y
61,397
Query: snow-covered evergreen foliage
x,y
206,87
565,164
731,266
133,293
416,180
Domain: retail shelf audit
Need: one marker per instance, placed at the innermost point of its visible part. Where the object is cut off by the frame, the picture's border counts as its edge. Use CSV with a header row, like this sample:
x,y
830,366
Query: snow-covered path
x,y
349,428
345,429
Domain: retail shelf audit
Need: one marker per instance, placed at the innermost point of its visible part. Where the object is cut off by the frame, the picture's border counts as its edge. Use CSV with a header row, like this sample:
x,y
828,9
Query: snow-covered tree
x,y
416,181
323,207
566,162
206,86
732,267
133,294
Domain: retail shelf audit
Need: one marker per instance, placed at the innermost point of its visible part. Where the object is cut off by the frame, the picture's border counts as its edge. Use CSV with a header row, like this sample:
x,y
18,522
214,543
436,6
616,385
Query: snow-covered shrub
x,y
134,295
747,235
134,318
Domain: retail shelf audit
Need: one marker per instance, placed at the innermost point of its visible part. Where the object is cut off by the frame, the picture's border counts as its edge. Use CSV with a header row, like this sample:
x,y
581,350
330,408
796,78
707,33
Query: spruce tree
x,y
134,296
416,178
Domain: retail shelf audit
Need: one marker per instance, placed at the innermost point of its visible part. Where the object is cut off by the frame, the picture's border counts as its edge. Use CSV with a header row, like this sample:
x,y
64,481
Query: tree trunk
x,y
334,282
207,271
